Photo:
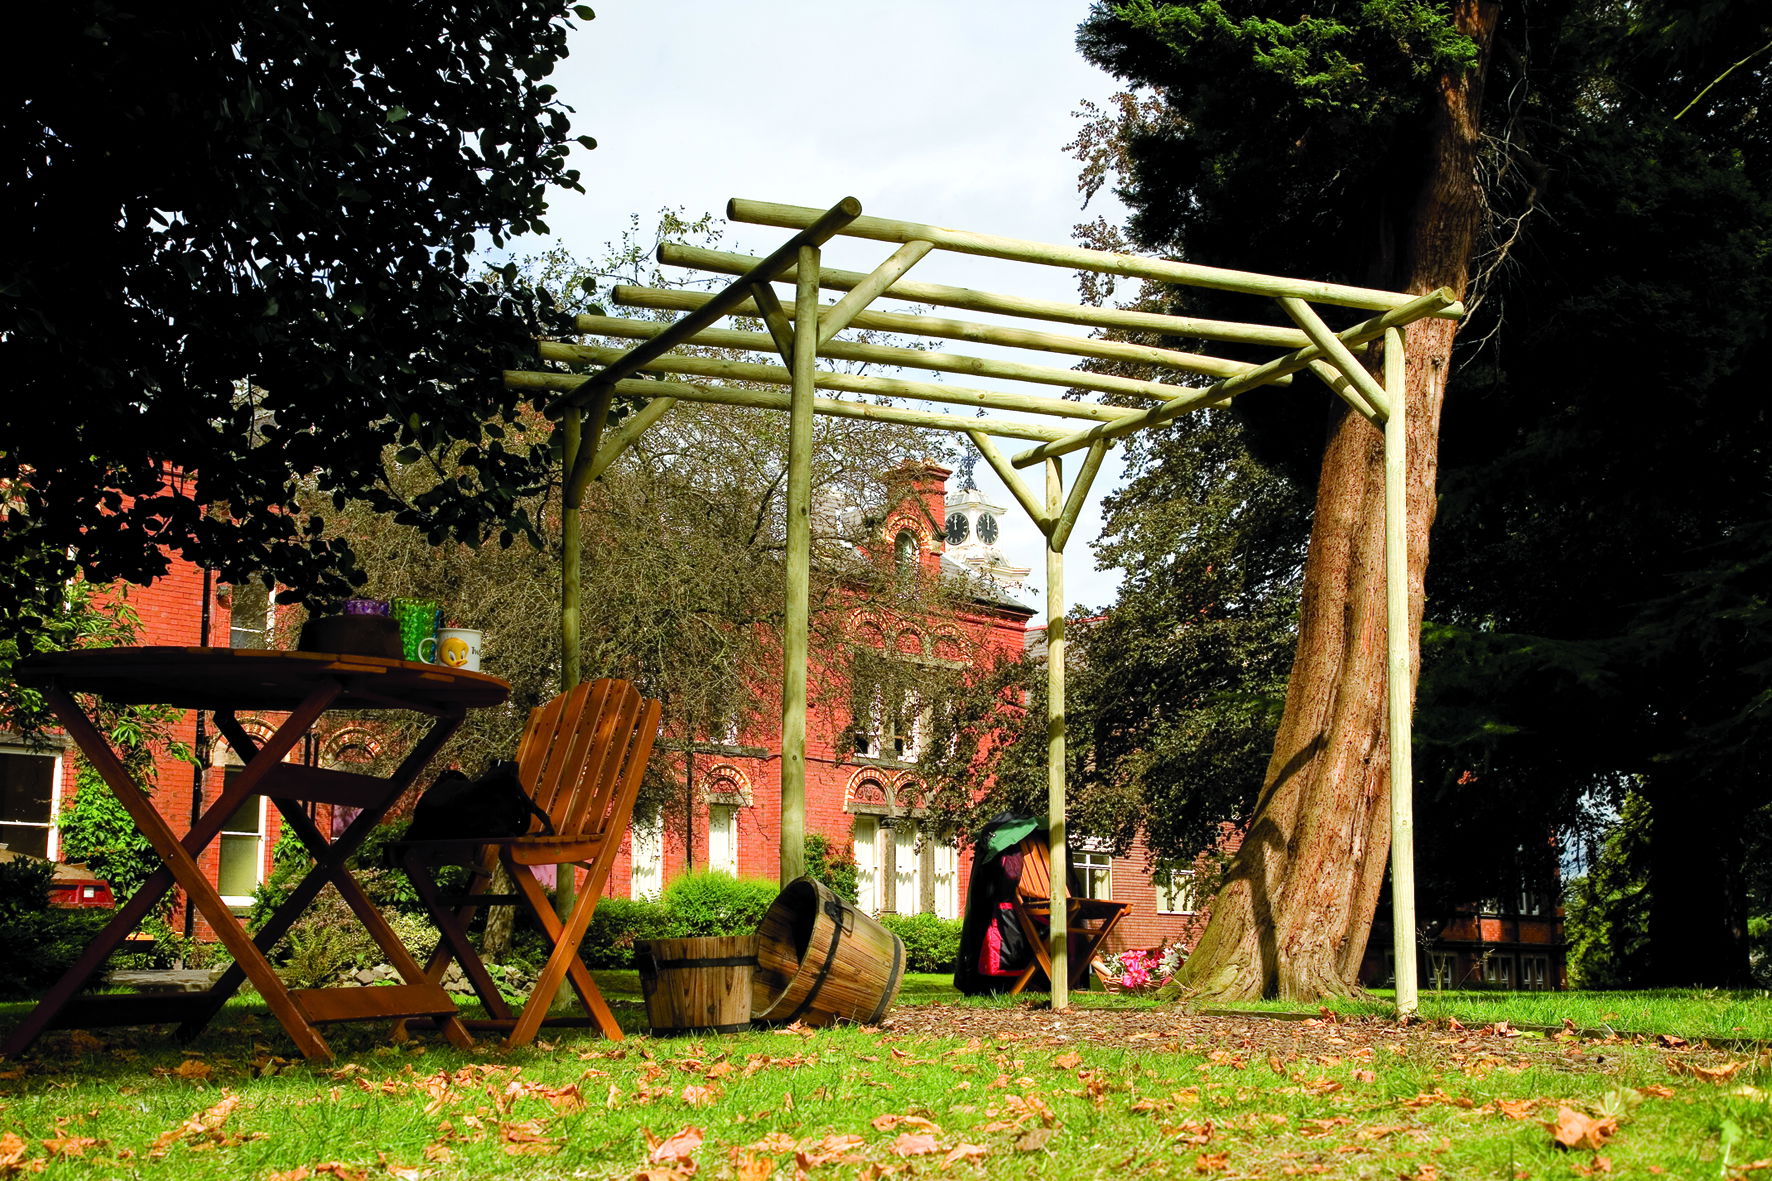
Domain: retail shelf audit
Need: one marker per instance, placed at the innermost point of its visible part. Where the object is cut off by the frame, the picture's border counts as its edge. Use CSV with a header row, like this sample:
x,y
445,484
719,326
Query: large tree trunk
x,y
1296,909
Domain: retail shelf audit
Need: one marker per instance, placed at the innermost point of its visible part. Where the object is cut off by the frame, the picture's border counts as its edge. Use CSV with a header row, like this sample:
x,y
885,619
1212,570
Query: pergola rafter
x,y
799,333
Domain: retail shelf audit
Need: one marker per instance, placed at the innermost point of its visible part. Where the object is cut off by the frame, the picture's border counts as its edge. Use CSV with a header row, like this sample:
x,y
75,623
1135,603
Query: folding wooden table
x,y
302,686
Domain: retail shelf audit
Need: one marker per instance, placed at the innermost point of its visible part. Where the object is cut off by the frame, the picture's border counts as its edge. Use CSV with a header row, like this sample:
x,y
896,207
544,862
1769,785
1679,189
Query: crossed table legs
x,y
299,1011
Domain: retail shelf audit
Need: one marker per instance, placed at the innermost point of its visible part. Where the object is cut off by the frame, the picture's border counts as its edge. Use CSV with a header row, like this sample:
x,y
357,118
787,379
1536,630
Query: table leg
x,y
329,857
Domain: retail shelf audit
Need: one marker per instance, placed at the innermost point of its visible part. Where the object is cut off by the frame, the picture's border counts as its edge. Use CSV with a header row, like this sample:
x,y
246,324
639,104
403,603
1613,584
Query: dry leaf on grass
x,y
885,1123
1211,1162
699,1096
70,1145
1710,1074
1069,1060
749,1166
12,1156
962,1152
1034,1139
913,1144
1515,1108
1572,1129
809,1153
528,1138
675,1150
194,1069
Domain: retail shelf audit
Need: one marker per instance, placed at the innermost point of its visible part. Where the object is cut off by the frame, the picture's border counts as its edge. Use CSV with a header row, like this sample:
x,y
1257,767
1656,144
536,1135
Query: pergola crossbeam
x,y
855,383
912,325
967,299
890,355
1076,258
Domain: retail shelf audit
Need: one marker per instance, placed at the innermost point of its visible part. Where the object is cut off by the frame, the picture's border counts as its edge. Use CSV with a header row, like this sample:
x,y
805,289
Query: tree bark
x,y
1296,908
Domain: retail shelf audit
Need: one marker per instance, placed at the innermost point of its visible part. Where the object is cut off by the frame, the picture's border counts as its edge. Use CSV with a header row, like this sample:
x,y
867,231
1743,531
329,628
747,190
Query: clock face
x,y
957,529
987,529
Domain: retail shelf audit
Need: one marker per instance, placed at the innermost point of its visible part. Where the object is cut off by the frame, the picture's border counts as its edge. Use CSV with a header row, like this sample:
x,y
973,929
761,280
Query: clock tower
x,y
973,528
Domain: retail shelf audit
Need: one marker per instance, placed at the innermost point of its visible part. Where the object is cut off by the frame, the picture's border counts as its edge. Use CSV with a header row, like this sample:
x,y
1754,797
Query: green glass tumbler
x,y
418,622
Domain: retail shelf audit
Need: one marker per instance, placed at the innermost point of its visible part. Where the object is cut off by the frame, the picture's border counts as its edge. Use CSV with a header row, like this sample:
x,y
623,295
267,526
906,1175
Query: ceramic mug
x,y
418,622
454,647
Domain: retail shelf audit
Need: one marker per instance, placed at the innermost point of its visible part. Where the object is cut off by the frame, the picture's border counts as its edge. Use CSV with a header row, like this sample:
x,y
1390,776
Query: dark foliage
x,y
242,237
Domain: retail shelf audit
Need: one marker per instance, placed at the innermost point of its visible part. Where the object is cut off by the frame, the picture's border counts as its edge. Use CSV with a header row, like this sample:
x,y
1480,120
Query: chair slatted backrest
x,y
1036,870
584,752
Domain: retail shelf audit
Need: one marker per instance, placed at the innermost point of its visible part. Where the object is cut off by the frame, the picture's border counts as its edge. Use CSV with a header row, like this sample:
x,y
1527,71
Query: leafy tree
x,y
1599,585
1370,119
240,269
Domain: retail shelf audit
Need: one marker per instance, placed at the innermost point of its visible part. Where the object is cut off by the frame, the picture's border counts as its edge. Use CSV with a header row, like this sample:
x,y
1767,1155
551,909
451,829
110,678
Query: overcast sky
x,y
942,111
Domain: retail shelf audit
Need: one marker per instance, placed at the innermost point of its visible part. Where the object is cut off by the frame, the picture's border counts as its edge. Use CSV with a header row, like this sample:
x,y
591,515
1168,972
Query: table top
x,y
258,679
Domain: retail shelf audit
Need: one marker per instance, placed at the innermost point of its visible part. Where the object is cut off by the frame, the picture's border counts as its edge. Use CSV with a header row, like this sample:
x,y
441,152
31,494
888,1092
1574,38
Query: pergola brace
x,y
1220,391
1073,504
1344,389
838,316
630,430
1012,480
1306,318
774,316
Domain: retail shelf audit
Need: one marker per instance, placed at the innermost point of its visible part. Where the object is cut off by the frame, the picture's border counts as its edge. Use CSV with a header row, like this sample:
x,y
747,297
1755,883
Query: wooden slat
x,y
322,1005
321,785
133,1008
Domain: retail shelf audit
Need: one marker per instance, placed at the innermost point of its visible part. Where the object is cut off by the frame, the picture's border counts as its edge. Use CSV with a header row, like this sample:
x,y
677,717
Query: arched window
x,y
905,551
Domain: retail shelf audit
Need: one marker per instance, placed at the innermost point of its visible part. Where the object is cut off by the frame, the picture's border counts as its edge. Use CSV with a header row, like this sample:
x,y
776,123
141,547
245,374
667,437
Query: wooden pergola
x,y
800,333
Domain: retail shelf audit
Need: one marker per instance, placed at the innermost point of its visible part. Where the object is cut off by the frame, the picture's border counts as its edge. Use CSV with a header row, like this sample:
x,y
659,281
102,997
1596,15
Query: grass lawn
x,y
1113,1087
1715,1013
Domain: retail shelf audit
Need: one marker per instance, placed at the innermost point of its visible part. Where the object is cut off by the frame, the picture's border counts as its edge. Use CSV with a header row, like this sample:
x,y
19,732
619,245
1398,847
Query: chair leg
x,y
452,923
563,963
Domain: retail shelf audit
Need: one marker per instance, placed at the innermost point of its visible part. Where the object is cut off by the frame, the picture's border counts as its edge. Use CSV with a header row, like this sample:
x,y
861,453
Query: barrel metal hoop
x,y
891,981
724,961
740,1027
833,909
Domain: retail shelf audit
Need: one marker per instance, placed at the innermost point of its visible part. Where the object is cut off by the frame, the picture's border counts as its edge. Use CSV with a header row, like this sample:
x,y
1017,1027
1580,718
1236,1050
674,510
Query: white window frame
x,y
1087,862
867,864
1442,969
1499,969
907,868
1535,973
1177,888
646,857
723,838
241,901
945,871
52,830
267,633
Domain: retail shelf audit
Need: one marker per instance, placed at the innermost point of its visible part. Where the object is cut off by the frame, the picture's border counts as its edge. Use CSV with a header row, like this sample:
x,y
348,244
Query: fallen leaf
x,y
1572,1129
194,1069
913,1144
1069,1060
1034,1139
1670,1041
750,1166
1710,1074
885,1123
962,1152
1515,1108
1656,1091
699,1096
678,1149
1211,1162
528,1138
299,1173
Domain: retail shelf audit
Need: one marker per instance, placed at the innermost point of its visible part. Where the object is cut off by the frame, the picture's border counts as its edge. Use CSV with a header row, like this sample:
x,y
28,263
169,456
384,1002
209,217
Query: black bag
x,y
490,807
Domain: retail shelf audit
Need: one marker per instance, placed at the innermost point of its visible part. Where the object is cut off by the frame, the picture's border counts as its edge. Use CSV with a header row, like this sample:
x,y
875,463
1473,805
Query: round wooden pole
x,y
798,609
1059,947
1399,677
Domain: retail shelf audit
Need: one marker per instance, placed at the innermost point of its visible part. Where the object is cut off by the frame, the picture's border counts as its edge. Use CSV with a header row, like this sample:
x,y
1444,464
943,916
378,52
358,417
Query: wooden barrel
x,y
700,985
820,960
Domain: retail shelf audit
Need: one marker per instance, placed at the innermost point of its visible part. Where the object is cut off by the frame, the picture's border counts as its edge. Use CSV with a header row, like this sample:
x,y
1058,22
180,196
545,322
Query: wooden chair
x,y
1088,921
581,760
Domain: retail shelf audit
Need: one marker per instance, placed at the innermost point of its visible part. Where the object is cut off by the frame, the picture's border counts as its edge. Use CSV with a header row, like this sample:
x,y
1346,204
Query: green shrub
x,y
98,832
834,865
38,942
716,903
931,943
617,925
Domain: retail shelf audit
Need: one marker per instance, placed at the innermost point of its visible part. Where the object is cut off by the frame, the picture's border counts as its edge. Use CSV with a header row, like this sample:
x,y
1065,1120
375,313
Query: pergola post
x,y
794,645
1058,930
1398,679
